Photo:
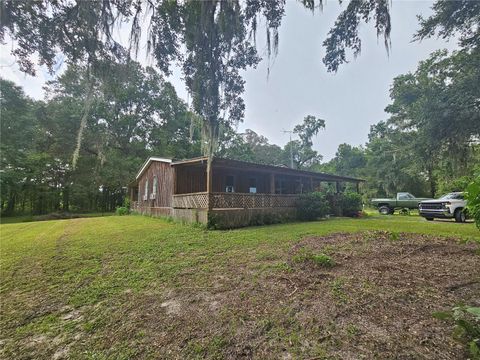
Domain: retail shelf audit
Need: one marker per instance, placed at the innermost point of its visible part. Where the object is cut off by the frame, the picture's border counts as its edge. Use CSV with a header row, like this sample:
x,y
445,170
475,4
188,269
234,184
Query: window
x,y
280,186
405,196
155,185
452,196
145,195
252,185
229,184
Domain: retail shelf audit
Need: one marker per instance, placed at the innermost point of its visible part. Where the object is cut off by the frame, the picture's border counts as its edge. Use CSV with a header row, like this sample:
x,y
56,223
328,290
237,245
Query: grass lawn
x,y
139,287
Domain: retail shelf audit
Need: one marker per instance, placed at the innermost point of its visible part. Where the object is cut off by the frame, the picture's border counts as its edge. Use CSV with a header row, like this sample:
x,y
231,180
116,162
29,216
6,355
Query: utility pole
x,y
291,151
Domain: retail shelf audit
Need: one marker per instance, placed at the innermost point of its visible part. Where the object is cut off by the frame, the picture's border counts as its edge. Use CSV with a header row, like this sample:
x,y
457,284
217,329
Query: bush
x,y
122,210
473,198
312,206
350,204
230,221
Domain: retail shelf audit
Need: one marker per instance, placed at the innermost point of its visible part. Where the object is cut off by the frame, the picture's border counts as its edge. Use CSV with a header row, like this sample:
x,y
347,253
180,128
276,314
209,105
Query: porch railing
x,y
233,200
191,201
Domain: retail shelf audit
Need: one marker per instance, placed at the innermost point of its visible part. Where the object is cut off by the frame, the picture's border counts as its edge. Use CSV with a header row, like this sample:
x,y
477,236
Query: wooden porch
x,y
224,200
235,184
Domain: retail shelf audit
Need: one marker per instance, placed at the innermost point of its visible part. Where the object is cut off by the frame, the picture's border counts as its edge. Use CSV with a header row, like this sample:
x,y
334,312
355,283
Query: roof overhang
x,y
148,162
221,162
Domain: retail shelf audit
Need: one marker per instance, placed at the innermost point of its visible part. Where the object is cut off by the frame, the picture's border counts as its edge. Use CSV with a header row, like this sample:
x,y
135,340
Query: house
x,y
234,192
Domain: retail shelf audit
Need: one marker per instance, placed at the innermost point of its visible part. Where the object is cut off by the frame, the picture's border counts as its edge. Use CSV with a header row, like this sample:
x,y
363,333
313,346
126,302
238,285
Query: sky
x,y
298,84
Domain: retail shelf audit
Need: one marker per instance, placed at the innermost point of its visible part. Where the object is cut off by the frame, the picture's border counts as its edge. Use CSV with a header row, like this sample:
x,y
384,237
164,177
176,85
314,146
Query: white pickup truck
x,y
448,206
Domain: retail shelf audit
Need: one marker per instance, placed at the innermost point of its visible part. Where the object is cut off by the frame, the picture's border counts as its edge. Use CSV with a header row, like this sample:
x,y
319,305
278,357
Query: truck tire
x,y
384,210
460,216
429,219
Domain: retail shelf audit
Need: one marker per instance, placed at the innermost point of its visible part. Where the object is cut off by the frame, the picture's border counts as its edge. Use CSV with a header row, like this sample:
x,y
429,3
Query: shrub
x,y
122,210
312,206
350,203
222,222
473,198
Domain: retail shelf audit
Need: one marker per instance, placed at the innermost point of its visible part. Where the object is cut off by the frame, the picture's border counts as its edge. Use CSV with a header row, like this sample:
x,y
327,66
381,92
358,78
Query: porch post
x,y
209,184
175,188
337,186
358,187
272,183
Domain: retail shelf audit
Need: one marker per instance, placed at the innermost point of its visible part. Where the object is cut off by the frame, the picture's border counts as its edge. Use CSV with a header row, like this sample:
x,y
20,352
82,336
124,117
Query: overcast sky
x,y
350,100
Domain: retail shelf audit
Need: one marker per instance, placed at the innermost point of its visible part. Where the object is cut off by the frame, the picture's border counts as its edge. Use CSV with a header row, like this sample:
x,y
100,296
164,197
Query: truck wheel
x,y
384,210
429,219
460,215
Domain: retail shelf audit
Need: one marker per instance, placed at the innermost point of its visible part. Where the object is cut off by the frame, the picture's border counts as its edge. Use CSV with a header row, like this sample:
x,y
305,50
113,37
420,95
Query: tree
x,y
136,114
18,130
211,40
348,161
304,157
439,104
301,151
308,129
250,146
391,163
473,197
450,18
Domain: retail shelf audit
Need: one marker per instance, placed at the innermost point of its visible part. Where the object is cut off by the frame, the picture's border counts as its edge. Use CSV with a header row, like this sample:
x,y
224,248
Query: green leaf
x,y
442,315
475,311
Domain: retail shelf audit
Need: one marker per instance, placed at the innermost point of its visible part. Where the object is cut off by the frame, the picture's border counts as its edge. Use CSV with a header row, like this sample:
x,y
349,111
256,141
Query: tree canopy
x,y
136,114
211,40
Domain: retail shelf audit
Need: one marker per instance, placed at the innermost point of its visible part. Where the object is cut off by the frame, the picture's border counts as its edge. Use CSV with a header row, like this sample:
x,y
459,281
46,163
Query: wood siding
x,y
190,179
164,192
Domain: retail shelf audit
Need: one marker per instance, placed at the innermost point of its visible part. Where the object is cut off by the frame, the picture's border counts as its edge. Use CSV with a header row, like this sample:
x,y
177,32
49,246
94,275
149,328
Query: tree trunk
x,y
10,203
431,179
66,199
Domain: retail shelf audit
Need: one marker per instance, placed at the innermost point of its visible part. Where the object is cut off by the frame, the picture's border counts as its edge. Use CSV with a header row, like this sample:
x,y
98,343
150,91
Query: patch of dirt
x,y
387,287
376,301
172,307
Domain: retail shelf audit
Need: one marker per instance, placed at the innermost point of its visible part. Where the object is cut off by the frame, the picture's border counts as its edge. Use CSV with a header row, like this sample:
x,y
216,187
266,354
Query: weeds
x,y
337,290
394,236
352,330
467,326
320,259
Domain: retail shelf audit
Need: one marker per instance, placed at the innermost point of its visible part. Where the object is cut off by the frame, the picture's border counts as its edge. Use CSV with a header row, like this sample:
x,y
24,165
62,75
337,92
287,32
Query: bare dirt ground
x,y
376,301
